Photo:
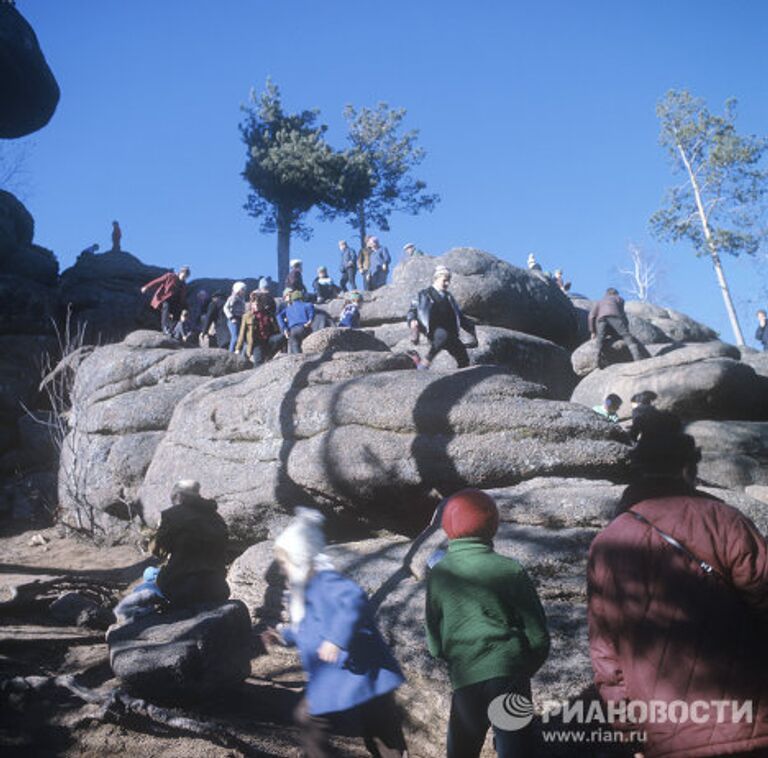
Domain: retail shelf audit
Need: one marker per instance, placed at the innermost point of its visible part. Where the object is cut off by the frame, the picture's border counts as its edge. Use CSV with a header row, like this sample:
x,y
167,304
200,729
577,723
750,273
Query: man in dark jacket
x,y
607,318
170,296
761,335
677,589
436,313
348,267
193,536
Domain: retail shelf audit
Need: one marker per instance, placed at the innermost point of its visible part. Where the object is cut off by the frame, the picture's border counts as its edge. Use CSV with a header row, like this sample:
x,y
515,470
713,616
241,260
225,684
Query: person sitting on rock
x,y
170,296
609,408
295,281
642,409
325,288
143,599
607,319
259,330
193,537
350,315
484,618
411,251
184,330
761,335
234,309
90,250
436,313
557,278
677,598
348,267
350,670
295,320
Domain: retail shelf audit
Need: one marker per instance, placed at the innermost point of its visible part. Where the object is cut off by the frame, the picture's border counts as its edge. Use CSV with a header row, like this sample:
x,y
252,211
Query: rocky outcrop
x,y
734,453
28,90
183,655
488,289
122,401
336,340
356,434
704,381
758,361
529,357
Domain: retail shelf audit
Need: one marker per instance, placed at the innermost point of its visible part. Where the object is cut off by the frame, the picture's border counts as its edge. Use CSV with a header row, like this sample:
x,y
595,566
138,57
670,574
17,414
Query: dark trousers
x,y
469,721
616,326
378,720
296,335
264,351
194,589
444,340
166,317
348,276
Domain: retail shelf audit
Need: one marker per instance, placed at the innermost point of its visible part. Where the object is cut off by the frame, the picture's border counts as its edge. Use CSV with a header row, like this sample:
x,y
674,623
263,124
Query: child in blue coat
x,y
351,672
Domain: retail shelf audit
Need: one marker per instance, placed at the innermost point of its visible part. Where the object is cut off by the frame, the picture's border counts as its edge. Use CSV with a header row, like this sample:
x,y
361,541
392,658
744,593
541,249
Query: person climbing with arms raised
x,y
170,296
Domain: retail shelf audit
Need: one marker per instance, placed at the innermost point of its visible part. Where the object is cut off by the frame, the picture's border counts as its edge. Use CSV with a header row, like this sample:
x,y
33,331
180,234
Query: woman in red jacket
x,y
678,609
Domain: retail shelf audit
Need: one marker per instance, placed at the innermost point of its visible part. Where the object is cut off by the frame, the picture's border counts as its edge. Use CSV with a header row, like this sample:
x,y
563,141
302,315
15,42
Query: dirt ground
x,y
38,717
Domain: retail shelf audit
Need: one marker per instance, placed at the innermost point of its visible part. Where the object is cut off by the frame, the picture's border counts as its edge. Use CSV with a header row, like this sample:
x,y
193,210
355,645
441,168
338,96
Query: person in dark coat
x,y
325,288
348,267
210,319
677,589
117,236
350,670
608,319
761,334
436,313
642,410
193,537
170,296
295,280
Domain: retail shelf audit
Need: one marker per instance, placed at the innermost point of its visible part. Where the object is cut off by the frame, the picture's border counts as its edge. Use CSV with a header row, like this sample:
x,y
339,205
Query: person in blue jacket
x,y
295,319
351,673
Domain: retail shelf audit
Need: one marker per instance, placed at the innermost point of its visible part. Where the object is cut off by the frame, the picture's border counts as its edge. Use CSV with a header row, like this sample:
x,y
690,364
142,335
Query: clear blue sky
x,y
538,119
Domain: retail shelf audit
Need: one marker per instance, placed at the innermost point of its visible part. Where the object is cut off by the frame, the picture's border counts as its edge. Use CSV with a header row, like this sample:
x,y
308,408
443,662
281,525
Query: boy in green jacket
x,y
485,619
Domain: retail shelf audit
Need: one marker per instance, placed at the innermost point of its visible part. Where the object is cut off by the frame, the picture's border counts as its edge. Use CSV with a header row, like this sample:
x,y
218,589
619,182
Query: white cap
x,y
239,286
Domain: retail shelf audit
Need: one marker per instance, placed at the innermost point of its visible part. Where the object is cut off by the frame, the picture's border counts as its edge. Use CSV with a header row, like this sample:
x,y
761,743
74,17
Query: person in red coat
x,y
678,608
170,296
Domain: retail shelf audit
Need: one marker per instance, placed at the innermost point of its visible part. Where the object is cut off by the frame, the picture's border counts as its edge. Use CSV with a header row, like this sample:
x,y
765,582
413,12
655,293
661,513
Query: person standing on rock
x,y
170,296
436,313
364,263
295,280
380,262
348,267
234,309
117,235
351,673
677,588
608,319
761,335
193,537
210,319
296,321
259,330
484,618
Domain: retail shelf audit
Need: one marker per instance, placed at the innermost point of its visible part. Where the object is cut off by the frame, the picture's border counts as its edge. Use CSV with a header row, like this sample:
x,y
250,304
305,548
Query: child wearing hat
x,y
350,670
484,618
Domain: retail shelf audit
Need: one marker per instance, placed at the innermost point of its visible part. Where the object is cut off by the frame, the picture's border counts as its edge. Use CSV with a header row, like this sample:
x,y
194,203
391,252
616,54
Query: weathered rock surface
x,y
703,381
488,289
758,361
529,357
28,90
122,401
734,453
360,435
335,340
183,655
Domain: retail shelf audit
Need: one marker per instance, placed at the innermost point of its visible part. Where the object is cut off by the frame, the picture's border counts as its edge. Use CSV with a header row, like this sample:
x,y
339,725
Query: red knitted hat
x,y
470,513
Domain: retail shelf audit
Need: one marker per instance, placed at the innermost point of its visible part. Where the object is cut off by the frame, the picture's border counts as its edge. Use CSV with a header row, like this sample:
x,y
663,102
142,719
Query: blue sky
x,y
538,119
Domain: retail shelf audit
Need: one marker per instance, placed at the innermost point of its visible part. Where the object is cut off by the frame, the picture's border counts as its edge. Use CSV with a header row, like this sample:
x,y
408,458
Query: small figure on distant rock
x,y
350,315
193,537
325,288
609,408
557,278
259,330
117,235
436,313
761,335
411,251
380,262
607,319
642,409
184,331
295,280
533,265
348,267
91,249
295,320
170,296
234,309
350,670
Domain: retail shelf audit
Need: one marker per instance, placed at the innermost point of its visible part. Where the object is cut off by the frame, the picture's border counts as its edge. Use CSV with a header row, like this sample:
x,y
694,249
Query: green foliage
x,y
380,163
720,165
290,167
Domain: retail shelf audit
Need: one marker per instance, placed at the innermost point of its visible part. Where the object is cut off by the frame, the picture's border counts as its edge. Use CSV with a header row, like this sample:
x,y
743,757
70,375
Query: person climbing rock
x,y
295,319
170,296
608,319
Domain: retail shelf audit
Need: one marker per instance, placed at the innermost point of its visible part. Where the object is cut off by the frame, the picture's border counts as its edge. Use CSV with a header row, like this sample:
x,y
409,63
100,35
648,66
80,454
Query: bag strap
x,y
707,568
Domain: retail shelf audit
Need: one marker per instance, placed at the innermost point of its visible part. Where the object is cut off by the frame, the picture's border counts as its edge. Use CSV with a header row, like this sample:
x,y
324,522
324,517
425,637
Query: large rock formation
x,y
703,381
356,433
122,401
488,289
28,89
